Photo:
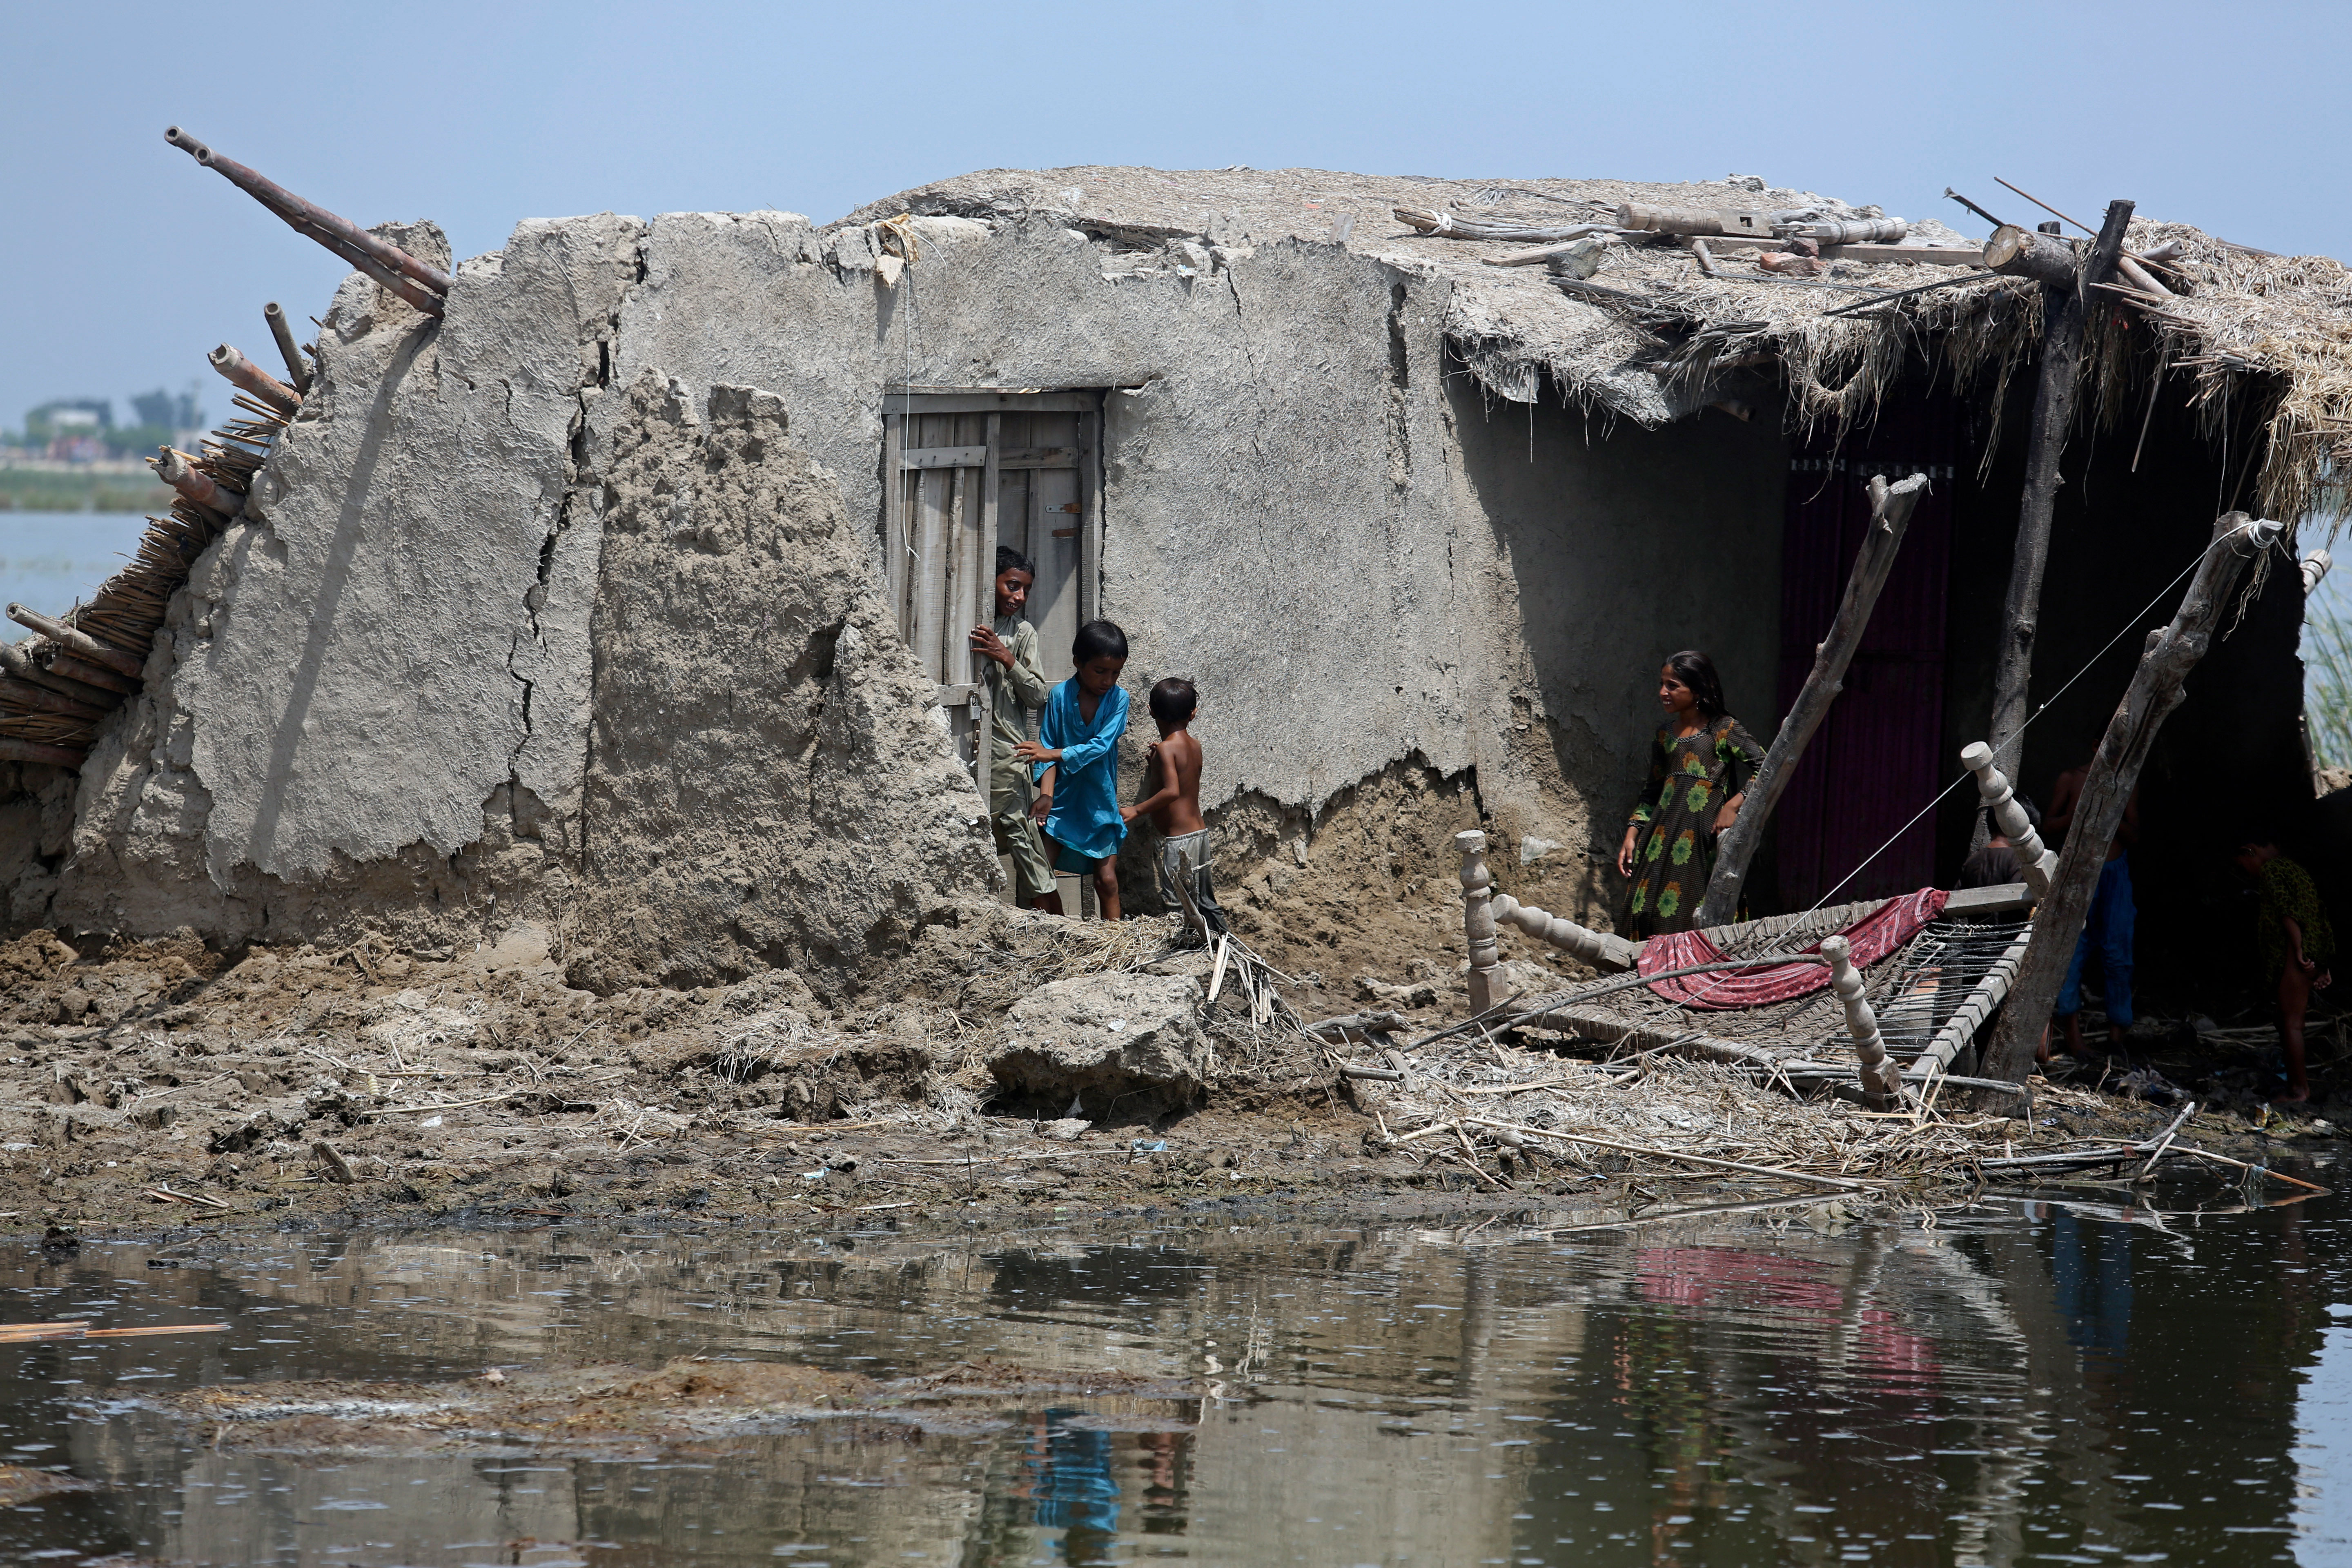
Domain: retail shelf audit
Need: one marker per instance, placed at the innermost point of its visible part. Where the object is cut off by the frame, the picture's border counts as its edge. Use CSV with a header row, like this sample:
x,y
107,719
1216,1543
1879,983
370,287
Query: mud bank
x,y
166,1084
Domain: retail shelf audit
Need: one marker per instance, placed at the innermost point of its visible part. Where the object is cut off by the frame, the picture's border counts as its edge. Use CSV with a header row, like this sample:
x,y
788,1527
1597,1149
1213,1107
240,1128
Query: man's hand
x,y
1030,752
985,641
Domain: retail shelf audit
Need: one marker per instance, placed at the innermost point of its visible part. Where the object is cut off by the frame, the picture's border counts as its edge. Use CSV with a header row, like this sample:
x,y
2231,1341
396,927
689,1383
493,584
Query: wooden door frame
x,y
900,400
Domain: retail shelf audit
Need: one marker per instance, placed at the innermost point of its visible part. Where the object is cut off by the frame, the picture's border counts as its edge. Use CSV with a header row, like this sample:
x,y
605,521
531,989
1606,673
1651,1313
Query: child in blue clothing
x,y
1076,761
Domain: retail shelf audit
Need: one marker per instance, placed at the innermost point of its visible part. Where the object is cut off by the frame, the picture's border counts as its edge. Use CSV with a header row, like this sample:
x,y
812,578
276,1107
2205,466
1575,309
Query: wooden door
x,y
970,472
1872,765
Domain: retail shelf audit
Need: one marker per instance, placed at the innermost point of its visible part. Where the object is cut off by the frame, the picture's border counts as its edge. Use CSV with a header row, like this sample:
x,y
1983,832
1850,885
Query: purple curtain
x,y
1872,765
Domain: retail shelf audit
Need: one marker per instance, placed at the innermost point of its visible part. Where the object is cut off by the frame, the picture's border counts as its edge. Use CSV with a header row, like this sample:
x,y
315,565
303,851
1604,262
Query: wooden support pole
x,y
1478,917
2016,252
2034,862
2065,308
1891,507
2155,689
1881,1078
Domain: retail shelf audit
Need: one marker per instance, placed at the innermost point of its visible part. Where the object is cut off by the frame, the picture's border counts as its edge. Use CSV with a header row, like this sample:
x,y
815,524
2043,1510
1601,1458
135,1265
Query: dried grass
x,y
1678,1107
2264,342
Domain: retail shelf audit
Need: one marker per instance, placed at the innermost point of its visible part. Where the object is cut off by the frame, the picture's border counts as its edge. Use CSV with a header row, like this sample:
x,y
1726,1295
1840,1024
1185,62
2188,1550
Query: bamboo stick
x,y
76,642
2148,1170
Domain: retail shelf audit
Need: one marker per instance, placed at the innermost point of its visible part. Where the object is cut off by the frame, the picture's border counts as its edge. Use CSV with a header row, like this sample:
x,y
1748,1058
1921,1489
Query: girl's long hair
x,y
1696,670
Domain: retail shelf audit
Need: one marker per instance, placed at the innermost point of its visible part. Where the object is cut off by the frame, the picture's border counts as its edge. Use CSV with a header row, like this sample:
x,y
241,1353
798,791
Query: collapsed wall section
x,y
766,780
374,705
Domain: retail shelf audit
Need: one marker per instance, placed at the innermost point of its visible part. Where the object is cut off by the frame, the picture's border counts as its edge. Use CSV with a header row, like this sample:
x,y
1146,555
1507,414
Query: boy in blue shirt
x,y
1076,758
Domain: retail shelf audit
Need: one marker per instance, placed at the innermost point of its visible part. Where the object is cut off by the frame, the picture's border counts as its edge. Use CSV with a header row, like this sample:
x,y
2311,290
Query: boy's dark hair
x,y
1173,699
1011,560
1696,670
1098,639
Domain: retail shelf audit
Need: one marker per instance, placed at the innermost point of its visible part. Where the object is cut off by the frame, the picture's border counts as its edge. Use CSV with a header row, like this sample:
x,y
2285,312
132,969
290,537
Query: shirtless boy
x,y
1173,776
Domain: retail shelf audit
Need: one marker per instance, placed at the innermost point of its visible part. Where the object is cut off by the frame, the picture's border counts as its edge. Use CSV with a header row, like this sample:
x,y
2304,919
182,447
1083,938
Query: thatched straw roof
x,y
2269,335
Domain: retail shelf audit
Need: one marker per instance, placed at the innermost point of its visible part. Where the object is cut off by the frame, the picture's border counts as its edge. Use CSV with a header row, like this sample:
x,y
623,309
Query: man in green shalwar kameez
x,y
1016,687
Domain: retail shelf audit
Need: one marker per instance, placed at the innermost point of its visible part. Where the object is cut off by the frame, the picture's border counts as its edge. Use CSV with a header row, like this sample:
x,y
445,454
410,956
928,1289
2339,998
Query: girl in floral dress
x,y
1701,761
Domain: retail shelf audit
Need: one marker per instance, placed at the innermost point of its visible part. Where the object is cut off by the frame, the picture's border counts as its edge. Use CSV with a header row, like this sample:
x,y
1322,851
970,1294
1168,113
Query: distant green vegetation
x,y
47,489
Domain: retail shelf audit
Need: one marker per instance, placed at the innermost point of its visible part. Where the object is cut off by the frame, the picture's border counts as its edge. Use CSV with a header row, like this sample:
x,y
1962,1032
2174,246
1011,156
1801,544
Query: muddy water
x,y
2030,1382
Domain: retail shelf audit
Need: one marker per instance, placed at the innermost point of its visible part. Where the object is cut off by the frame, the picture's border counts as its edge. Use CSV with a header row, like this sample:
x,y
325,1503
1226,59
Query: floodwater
x,y
48,560
2028,1382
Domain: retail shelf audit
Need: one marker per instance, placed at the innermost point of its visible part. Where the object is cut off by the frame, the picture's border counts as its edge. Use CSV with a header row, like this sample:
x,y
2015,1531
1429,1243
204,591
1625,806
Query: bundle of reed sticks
x,y
57,686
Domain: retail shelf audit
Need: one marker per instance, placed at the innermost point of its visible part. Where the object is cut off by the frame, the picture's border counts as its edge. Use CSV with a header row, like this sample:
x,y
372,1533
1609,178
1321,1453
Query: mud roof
x,y
1651,337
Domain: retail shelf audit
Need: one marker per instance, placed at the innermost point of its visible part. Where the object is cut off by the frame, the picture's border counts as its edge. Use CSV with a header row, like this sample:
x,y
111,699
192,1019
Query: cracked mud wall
x,y
331,721
766,782
388,700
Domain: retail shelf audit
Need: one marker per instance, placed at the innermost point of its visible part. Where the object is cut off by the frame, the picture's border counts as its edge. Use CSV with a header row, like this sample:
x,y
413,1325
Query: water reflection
x,y
2030,1382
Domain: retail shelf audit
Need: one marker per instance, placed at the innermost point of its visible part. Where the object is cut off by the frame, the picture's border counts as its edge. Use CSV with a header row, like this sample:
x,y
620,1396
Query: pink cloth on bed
x,y
1873,936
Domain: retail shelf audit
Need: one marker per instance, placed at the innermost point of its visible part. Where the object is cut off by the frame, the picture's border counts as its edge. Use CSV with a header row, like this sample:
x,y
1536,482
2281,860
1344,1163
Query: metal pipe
x,y
179,471
78,642
18,663
286,204
298,369
243,373
415,281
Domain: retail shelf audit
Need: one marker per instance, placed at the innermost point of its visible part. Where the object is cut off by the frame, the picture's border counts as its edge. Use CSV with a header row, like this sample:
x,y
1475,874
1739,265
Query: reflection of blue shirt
x,y
1084,816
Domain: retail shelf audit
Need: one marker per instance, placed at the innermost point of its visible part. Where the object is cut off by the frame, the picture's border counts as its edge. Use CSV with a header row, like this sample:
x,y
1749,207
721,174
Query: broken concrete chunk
x,y
1059,1043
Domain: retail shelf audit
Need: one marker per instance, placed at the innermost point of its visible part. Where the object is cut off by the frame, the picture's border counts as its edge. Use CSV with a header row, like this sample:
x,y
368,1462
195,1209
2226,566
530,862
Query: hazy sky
x,y
122,262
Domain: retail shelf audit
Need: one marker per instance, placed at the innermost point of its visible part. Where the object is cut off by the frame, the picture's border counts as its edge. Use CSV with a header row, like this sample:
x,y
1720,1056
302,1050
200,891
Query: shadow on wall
x,y
1622,546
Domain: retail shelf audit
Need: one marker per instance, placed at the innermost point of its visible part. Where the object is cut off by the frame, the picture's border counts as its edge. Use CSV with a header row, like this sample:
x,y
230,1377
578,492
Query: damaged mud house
x,y
612,586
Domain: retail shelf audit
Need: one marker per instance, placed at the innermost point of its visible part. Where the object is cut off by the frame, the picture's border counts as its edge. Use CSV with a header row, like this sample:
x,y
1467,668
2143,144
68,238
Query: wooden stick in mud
x,y
88,674
2155,689
1891,507
1478,917
25,694
2148,1171
2065,308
